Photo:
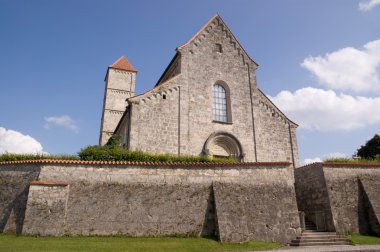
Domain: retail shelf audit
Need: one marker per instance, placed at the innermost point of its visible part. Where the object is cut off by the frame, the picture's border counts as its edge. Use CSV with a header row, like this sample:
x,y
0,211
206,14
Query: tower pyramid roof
x,y
123,64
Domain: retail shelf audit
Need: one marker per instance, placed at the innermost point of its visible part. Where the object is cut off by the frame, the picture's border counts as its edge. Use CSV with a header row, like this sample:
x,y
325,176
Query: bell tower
x,y
119,85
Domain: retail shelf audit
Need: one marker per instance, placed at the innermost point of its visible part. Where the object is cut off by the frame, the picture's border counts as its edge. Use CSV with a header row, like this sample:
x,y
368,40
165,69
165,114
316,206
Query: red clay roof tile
x,y
136,163
123,64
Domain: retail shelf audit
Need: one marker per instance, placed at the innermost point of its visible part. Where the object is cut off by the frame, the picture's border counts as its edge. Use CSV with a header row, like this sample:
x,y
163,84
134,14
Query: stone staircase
x,y
311,237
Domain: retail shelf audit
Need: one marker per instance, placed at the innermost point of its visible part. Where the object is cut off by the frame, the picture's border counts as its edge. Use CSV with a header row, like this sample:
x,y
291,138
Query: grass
x,y
12,243
364,239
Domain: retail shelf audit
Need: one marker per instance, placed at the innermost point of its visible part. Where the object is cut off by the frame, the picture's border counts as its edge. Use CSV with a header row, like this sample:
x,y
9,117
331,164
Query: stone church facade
x,y
206,102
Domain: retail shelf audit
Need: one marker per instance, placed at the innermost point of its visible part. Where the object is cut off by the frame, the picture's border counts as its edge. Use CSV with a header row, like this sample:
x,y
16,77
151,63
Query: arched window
x,y
221,108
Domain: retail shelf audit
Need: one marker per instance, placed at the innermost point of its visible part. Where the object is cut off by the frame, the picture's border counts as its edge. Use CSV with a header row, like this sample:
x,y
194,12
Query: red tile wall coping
x,y
133,163
46,183
345,164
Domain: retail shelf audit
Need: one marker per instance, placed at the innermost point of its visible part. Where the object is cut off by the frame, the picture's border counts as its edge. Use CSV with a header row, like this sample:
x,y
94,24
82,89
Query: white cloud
x,y
348,68
15,142
318,109
63,121
368,5
312,160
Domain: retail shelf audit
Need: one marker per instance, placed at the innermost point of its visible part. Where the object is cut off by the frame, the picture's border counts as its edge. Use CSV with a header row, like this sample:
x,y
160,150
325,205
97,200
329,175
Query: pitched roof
x,y
123,64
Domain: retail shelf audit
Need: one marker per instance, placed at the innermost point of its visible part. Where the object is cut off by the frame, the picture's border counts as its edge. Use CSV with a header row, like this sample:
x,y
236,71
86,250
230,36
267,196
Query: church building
x,y
206,102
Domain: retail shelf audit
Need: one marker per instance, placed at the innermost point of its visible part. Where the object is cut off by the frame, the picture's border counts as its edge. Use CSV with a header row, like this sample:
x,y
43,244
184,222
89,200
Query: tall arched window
x,y
221,111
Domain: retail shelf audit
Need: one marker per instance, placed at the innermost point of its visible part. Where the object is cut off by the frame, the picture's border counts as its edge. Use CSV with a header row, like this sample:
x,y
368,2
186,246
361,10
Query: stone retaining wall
x,y
46,208
349,193
14,188
238,203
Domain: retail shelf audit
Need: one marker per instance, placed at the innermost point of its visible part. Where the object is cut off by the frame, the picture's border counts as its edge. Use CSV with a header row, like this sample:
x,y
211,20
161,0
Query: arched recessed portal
x,y
223,144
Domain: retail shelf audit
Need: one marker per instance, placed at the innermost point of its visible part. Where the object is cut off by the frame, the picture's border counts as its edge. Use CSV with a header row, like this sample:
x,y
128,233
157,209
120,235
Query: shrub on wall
x,y
112,153
19,157
108,153
357,160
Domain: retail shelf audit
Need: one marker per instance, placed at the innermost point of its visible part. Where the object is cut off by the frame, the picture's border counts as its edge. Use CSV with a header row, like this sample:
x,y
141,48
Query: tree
x,y
371,148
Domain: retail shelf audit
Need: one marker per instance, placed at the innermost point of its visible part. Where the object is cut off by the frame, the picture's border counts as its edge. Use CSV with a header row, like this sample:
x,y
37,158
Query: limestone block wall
x,y
294,145
237,202
14,188
204,66
350,191
120,85
312,195
46,208
182,122
256,211
369,188
275,134
121,80
347,197
155,120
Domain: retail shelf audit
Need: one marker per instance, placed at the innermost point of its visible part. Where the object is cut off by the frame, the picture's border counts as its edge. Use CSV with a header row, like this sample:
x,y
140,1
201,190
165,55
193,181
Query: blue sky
x,y
319,62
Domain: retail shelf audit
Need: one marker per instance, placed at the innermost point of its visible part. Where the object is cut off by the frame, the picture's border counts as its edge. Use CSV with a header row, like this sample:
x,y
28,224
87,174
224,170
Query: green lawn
x,y
11,243
364,239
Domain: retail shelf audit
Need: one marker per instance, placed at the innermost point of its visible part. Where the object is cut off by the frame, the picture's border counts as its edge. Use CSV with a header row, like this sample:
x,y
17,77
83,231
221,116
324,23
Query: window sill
x,y
221,122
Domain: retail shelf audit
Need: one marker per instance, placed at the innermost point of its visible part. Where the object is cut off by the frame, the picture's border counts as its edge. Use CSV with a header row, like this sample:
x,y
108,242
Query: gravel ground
x,y
361,248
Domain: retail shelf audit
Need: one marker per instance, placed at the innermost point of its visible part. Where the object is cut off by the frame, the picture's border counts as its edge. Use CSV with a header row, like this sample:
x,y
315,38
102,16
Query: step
x,y
325,237
320,243
321,235
319,239
318,233
312,232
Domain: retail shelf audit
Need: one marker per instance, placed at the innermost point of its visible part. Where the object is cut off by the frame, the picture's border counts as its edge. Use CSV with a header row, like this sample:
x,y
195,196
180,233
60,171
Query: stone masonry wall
x,y
247,211
140,200
155,120
347,197
274,133
173,201
14,188
184,121
46,209
348,191
312,196
204,66
370,189
120,85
